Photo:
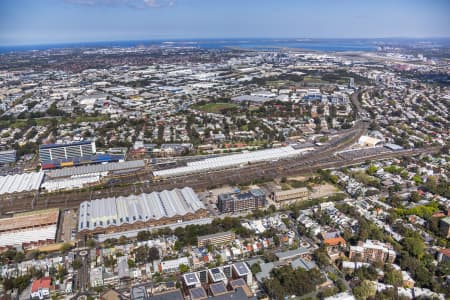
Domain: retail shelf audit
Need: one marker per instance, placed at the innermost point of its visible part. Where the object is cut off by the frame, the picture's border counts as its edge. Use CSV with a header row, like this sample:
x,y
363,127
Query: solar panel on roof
x,y
237,282
241,268
190,278
197,293
218,288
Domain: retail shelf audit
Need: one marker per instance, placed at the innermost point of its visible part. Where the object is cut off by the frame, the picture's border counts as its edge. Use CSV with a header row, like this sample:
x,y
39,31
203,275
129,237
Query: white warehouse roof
x,y
102,213
17,238
18,183
73,171
231,160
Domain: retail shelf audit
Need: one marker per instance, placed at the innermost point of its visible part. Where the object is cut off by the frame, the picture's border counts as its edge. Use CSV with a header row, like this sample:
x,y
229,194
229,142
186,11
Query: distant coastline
x,y
324,45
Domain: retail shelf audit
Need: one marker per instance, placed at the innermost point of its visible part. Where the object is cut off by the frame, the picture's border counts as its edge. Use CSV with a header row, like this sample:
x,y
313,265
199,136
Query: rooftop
x,y
171,295
47,146
18,183
114,211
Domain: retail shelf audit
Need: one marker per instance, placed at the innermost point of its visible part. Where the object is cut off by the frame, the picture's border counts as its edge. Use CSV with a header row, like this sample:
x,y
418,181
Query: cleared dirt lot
x,y
323,190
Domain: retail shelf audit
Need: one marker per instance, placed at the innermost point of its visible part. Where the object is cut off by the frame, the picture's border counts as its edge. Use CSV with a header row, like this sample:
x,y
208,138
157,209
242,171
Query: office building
x,y
8,156
233,202
66,151
371,251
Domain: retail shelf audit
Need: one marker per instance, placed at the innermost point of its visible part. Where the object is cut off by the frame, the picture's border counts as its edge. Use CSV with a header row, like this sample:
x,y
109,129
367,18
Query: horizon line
x,y
216,38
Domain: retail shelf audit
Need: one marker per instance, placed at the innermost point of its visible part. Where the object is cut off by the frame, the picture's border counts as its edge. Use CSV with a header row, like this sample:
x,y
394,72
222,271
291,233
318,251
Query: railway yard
x,y
323,157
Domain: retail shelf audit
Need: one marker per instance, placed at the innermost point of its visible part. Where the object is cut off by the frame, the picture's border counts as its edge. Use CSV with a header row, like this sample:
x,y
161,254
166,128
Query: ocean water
x,y
326,45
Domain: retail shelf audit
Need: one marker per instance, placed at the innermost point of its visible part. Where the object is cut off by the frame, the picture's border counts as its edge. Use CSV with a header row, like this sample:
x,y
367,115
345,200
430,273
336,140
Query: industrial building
x,y
29,230
114,167
290,196
232,202
368,141
8,156
17,190
144,211
66,151
78,177
80,161
20,183
216,238
223,162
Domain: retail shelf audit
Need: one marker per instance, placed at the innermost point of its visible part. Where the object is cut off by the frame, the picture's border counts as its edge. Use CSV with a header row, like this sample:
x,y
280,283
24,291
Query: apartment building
x,y
370,251
232,202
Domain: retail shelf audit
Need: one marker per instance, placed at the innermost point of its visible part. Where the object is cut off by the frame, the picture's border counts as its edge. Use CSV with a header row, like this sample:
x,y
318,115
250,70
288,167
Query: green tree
x,y
393,277
365,290
372,170
415,246
91,243
184,268
65,247
415,197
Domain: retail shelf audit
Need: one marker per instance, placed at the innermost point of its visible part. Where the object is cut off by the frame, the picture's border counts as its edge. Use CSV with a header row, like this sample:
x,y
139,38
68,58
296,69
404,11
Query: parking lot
x,y
69,226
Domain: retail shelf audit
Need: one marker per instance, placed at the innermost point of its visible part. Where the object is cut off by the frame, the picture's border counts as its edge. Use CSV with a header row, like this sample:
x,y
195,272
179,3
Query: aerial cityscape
x,y
197,150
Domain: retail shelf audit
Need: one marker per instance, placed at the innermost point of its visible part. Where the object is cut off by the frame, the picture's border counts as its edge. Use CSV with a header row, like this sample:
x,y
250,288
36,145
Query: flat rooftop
x,y
29,220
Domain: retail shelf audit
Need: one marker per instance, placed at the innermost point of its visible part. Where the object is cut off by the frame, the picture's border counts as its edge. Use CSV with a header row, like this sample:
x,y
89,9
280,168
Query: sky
x,y
33,22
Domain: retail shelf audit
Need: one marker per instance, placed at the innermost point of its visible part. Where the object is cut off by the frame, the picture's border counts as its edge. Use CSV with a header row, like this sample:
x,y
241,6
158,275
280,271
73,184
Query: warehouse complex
x,y
231,160
20,183
115,167
139,211
29,230
78,177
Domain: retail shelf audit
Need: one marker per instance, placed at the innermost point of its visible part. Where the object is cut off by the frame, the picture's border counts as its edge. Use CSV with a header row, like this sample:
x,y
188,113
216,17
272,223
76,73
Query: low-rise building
x,y
40,289
291,196
216,238
444,226
172,265
370,251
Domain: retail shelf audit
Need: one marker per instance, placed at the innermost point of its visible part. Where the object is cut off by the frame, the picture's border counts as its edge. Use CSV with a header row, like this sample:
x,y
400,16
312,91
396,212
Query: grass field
x,y
214,107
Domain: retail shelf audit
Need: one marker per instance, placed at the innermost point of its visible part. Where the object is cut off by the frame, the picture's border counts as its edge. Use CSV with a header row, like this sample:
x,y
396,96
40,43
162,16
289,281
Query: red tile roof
x,y
335,241
445,252
43,283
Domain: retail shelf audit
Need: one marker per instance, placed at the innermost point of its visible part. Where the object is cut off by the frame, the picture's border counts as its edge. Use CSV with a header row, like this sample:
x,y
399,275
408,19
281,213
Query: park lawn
x,y
214,107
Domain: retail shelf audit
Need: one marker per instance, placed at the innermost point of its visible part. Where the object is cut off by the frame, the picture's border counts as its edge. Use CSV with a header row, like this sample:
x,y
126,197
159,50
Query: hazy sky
x,y
53,21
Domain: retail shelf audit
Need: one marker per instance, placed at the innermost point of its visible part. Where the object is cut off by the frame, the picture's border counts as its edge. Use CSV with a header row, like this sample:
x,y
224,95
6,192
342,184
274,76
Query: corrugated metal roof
x,y
231,160
20,182
67,172
144,207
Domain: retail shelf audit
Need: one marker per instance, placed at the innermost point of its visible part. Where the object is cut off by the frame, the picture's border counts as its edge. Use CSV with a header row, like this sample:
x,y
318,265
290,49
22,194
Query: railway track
x,y
208,180
143,182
